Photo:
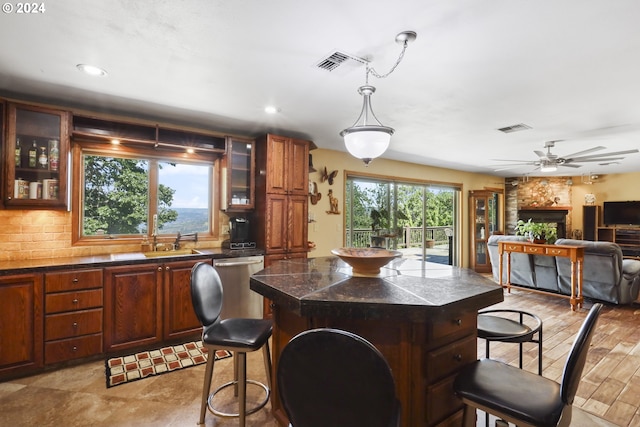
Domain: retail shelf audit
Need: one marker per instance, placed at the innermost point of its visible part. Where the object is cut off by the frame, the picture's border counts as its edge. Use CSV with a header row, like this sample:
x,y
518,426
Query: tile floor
x,y
77,396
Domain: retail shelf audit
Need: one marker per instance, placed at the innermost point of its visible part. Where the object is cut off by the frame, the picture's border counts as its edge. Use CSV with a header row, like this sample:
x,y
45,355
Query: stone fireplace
x,y
549,214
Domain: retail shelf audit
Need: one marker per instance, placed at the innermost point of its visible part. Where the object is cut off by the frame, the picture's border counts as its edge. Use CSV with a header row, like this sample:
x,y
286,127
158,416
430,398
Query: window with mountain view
x,y
121,195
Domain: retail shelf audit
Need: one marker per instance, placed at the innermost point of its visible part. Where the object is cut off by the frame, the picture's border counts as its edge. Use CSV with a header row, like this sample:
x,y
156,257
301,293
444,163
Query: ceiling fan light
x,y
548,167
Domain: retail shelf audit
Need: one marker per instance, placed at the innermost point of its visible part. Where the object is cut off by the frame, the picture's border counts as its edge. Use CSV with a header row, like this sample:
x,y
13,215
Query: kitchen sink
x,y
178,252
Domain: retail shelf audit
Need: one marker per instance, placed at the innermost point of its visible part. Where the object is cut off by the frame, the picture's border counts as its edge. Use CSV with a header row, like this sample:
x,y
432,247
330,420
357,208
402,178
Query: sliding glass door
x,y
418,219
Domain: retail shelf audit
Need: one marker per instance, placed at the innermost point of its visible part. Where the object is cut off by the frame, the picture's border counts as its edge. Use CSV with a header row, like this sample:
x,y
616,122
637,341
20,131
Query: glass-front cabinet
x,y
485,219
36,154
239,191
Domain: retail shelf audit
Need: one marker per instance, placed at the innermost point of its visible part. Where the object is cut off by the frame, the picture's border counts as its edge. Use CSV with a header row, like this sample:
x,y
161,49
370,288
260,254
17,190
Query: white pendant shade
x,y
368,144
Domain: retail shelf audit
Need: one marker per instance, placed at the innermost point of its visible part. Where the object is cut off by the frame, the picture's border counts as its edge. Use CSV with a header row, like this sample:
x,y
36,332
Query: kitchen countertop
x,y
405,289
109,260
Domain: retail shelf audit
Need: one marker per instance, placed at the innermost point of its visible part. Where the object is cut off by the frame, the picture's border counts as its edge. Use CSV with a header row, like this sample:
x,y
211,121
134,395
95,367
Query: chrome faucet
x,y
188,236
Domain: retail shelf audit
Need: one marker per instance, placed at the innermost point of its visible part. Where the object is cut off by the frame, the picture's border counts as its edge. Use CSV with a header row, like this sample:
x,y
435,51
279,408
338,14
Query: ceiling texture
x,y
569,70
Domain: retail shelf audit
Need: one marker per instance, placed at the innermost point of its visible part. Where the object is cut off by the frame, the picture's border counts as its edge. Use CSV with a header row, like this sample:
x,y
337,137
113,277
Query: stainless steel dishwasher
x,y
238,299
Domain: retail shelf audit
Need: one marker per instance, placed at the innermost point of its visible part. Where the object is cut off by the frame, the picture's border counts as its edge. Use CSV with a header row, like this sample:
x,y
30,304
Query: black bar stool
x,y
504,329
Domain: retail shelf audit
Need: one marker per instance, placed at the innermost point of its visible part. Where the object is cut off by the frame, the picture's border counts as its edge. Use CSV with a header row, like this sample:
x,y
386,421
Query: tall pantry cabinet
x,y
282,186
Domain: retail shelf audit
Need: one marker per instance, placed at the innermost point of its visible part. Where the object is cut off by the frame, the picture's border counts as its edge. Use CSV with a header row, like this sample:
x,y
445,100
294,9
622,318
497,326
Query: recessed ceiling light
x,y
270,109
190,150
92,70
115,141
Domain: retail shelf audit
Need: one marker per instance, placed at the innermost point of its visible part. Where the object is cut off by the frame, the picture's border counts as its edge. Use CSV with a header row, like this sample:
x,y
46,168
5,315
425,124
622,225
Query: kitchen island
x,y
420,315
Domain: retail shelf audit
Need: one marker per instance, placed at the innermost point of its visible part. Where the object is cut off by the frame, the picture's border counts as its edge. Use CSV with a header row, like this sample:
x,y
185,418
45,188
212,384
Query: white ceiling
x,y
570,69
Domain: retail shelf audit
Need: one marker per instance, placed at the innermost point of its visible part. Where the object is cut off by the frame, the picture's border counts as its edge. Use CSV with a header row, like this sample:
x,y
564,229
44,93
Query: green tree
x,y
116,200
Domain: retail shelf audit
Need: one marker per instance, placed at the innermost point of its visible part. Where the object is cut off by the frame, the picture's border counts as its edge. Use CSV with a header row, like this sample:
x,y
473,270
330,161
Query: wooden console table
x,y
574,253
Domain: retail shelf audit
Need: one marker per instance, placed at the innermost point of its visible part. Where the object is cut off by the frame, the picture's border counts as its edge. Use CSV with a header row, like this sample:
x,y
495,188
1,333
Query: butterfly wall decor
x,y
324,176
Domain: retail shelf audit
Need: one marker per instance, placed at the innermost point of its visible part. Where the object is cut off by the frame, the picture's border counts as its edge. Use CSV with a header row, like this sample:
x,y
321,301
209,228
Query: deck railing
x,y
410,237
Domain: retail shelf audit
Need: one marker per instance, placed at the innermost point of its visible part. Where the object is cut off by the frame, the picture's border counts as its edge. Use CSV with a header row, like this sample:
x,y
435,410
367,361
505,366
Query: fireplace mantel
x,y
544,208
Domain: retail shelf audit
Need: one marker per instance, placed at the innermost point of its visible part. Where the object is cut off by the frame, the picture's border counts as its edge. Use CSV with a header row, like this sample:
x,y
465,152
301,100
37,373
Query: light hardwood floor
x,y
77,396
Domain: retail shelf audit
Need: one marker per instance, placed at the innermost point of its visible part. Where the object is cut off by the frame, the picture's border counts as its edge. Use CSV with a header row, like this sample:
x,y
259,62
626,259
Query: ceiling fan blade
x,y
598,159
615,153
569,165
511,160
507,167
581,153
540,154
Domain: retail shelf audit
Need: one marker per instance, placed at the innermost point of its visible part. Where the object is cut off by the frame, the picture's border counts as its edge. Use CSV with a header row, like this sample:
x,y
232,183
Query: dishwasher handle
x,y
236,263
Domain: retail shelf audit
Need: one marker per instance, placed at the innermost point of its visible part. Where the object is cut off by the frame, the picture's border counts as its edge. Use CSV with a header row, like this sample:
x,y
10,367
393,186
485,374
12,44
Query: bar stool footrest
x,y
249,411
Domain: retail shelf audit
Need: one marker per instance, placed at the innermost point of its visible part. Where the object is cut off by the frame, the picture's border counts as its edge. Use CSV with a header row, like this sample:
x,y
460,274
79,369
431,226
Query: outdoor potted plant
x,y
537,232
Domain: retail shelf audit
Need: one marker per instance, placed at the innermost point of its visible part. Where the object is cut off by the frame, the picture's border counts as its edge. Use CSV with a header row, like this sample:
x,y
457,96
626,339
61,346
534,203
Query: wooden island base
x,y
425,327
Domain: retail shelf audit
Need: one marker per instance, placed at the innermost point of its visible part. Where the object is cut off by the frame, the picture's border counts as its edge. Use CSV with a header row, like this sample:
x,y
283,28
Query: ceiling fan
x,y
549,162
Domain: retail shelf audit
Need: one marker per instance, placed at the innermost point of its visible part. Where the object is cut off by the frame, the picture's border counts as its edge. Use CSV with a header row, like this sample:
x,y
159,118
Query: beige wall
x,y
327,232
613,187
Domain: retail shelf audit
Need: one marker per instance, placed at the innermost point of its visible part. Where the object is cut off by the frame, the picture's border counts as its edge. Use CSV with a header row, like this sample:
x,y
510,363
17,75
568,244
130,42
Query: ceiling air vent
x,y
514,128
336,60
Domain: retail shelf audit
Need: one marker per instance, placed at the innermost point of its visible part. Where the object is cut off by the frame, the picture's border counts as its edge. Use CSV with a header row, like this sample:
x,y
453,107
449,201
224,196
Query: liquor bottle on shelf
x,y
33,154
18,153
43,160
54,155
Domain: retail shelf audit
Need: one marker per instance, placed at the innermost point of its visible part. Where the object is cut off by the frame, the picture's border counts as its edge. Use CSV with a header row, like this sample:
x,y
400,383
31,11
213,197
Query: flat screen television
x,y
621,213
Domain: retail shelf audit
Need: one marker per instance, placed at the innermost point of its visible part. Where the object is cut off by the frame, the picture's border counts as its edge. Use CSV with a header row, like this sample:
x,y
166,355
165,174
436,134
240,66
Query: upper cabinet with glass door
x,y
36,154
239,188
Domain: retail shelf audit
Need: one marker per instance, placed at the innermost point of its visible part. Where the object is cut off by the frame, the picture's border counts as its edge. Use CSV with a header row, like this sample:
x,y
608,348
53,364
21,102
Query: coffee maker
x,y
240,233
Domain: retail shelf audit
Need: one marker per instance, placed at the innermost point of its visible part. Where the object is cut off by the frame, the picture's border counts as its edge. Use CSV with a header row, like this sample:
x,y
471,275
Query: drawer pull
x,y
75,280
75,300
75,324
458,322
457,357
75,348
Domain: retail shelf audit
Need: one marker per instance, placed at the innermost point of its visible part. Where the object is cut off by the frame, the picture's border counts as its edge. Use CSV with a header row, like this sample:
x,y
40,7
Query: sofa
x,y
607,276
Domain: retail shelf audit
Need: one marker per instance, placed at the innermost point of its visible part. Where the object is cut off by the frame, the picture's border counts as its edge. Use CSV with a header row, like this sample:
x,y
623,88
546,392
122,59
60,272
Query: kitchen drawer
x,y
72,348
73,280
446,360
68,301
450,327
442,401
72,324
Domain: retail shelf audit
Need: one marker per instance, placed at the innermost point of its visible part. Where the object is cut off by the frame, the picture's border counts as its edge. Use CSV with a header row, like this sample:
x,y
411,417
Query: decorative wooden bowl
x,y
366,261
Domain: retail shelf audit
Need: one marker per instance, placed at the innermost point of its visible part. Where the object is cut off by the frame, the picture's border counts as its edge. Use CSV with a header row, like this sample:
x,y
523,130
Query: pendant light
x,y
367,138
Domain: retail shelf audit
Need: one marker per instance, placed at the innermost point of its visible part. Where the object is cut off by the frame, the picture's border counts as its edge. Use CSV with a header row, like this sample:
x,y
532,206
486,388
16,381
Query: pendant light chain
x,y
371,70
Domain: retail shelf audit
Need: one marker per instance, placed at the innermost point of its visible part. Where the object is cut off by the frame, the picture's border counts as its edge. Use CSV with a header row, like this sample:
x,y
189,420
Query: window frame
x,y
82,147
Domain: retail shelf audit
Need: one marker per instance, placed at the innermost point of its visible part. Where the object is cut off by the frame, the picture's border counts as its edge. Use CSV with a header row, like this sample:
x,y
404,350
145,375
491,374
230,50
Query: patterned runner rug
x,y
121,370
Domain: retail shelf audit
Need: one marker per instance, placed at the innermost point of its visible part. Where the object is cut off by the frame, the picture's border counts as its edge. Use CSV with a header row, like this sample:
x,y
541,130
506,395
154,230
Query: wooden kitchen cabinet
x,y
133,306
35,158
73,315
286,161
21,325
239,176
179,318
148,303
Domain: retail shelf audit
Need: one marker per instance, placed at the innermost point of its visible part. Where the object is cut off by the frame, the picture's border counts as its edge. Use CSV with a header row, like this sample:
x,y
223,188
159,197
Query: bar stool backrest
x,y
206,293
329,377
578,355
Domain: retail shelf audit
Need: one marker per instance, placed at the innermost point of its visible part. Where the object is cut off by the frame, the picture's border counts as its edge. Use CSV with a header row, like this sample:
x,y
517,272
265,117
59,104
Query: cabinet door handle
x,y
167,268
159,268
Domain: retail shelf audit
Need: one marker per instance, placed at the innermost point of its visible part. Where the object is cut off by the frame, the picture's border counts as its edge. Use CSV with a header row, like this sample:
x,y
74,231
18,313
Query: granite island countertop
x,y
405,289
